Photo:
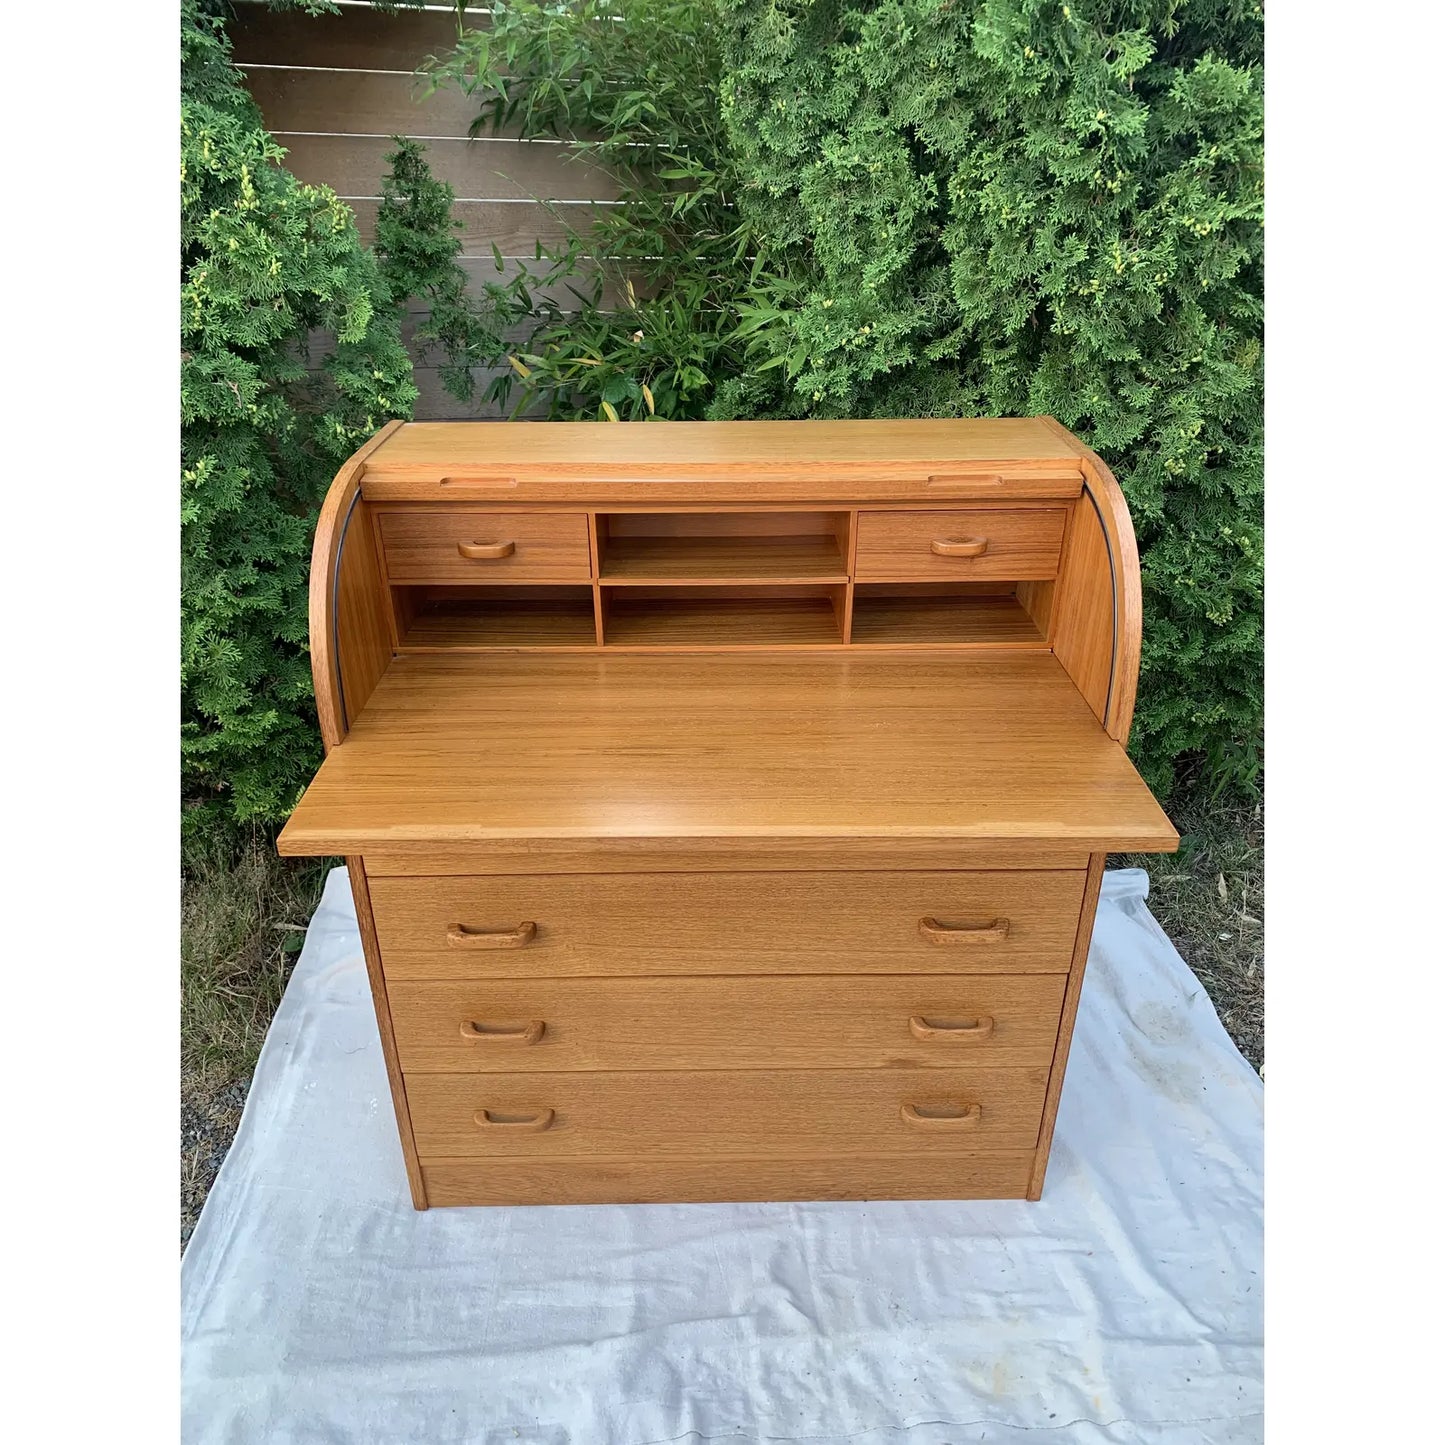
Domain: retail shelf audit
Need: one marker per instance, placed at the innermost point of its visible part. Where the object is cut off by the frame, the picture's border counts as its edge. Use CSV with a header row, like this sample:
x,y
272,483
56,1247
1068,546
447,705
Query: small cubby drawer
x,y
964,544
912,1021
784,1112
630,924
466,544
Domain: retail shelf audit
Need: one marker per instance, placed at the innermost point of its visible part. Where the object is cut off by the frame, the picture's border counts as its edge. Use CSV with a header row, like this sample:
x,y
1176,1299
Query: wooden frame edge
x,y
325,558
1109,501
1072,991
371,948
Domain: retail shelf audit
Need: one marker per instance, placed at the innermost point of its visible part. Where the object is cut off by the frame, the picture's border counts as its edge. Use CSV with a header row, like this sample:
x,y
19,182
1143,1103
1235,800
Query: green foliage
x,y
266,263
417,249
647,320
938,208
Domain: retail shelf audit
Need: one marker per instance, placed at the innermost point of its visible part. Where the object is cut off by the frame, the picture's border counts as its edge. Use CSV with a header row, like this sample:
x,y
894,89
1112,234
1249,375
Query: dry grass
x,y
243,918
1209,899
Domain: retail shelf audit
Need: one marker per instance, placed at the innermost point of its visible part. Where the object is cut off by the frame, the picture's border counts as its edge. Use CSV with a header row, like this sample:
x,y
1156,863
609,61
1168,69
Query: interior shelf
x,y
637,548
499,617
684,617
933,616
723,559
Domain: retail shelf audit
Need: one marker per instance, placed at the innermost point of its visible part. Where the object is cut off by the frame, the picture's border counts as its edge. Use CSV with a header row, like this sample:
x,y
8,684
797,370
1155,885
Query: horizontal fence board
x,y
358,102
357,38
353,166
515,226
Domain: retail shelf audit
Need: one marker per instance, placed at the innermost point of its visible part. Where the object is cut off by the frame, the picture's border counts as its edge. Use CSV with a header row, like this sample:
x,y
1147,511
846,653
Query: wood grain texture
x,y
976,1174
757,1112
770,461
906,618
628,561
686,619
1098,631
901,546
703,1022
360,894
481,170
347,661
488,621
424,545
456,749
358,102
357,37
1070,1013
734,923
720,855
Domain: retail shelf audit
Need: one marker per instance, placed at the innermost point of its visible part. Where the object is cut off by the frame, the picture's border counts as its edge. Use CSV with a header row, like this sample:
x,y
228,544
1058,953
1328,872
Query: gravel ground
x,y
210,1112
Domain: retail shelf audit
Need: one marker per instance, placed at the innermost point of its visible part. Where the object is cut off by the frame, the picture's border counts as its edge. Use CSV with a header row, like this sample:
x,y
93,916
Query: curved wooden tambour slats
x,y
350,632
1098,601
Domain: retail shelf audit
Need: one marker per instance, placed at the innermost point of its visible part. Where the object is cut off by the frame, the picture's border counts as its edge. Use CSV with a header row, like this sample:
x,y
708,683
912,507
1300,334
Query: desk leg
x,y
362,894
1072,991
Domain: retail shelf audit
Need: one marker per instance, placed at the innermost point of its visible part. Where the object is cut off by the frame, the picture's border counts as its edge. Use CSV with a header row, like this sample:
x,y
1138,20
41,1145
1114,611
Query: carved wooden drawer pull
x,y
979,1029
486,551
529,1033
936,932
460,936
526,1124
969,1117
960,547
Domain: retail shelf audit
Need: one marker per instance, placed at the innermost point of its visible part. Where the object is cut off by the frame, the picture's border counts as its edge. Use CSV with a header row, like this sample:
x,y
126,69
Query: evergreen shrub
x,y
269,267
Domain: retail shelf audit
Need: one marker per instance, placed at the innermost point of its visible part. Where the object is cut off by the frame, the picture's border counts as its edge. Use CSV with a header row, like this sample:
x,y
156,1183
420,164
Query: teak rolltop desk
x,y
725,803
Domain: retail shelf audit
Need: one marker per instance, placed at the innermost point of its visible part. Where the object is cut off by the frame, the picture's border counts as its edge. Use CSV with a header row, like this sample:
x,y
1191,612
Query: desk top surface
x,y
727,444
471,748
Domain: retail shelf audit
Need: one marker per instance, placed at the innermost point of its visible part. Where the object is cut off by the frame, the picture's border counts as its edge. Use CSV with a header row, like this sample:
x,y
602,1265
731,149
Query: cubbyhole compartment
x,y
763,616
642,548
937,614
436,618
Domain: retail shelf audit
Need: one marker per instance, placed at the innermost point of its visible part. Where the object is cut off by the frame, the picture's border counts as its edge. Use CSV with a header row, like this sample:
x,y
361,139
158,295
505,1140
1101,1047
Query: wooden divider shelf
x,y
723,617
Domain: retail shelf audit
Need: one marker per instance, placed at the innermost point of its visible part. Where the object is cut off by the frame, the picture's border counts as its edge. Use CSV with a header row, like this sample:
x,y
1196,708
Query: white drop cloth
x,y
317,1306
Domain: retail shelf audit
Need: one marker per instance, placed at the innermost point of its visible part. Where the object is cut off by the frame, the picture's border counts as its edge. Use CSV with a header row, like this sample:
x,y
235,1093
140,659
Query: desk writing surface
x,y
461,748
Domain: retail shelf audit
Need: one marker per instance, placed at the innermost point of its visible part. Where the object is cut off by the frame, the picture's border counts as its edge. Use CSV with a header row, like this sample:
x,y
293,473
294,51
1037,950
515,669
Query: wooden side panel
x,y
1072,991
1099,600
1084,640
993,1175
350,630
359,892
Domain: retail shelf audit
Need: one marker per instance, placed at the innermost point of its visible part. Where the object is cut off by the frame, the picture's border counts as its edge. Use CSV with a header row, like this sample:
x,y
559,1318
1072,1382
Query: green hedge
x,y
267,266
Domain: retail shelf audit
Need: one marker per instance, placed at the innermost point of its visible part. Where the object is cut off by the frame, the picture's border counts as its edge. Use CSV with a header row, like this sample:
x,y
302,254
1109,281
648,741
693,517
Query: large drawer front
x,y
782,1112
571,925
468,544
924,1021
963,546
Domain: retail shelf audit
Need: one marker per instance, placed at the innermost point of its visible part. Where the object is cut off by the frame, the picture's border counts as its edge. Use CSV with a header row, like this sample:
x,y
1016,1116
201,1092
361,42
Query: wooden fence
x,y
334,89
